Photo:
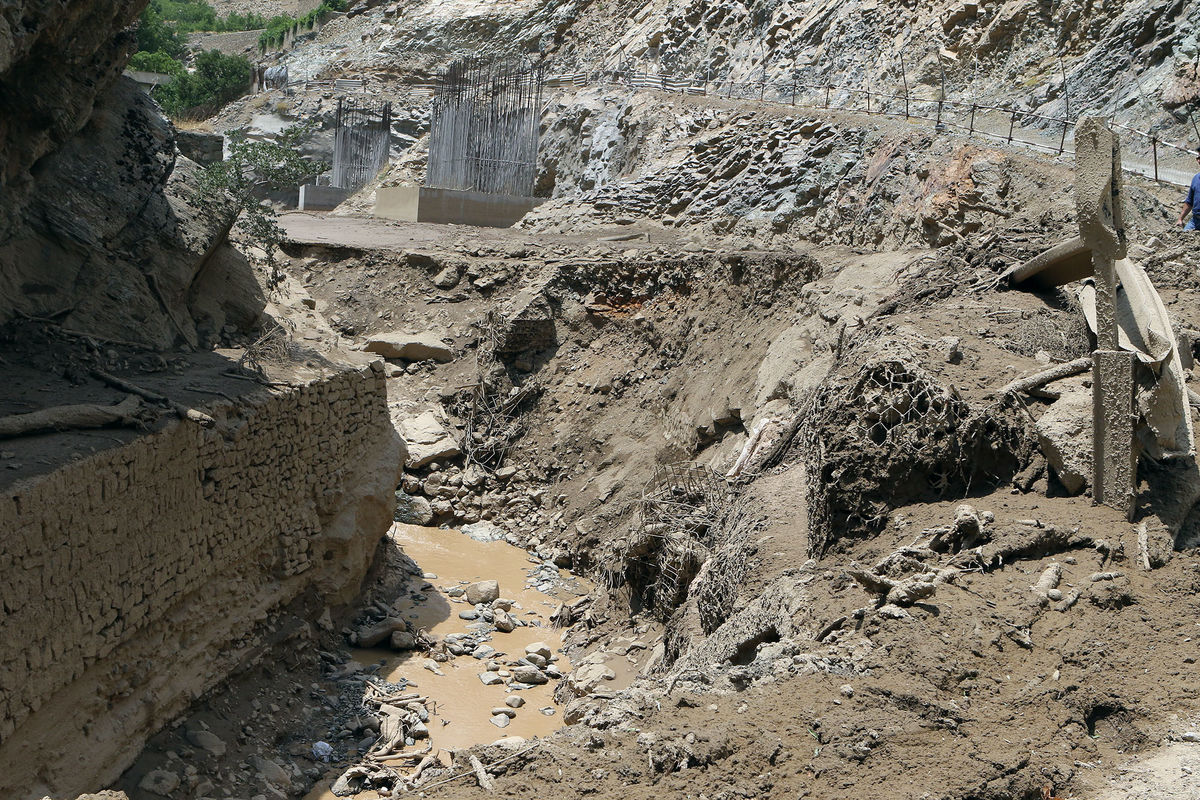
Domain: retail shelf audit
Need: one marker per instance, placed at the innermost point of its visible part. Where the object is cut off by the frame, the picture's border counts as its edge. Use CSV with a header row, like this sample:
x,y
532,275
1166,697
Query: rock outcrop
x,y
100,226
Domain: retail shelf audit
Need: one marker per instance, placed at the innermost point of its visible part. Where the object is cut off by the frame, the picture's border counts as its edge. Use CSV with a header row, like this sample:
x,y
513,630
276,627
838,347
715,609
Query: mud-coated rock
x,y
409,346
483,592
588,678
1065,434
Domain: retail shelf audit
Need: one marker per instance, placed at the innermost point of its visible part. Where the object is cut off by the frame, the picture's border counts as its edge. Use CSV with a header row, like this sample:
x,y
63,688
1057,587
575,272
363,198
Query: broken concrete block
x,y
409,346
1065,434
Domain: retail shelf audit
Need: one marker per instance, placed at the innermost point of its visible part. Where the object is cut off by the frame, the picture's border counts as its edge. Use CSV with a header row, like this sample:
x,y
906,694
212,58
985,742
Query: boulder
x,y
446,279
427,440
409,346
483,592
206,740
526,322
271,772
527,673
371,635
483,532
402,640
539,648
504,623
412,509
1065,434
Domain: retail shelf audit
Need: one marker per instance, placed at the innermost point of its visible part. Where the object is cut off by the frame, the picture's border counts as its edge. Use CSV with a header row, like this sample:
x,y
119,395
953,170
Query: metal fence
x,y
1145,154
483,127
362,140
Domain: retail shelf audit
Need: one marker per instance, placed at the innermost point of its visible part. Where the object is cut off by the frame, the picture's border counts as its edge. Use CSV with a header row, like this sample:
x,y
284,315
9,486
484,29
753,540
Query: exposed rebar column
x,y
362,141
1102,228
484,126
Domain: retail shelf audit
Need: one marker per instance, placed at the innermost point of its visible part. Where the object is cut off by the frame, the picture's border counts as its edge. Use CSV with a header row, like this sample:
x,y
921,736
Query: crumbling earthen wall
x,y
132,578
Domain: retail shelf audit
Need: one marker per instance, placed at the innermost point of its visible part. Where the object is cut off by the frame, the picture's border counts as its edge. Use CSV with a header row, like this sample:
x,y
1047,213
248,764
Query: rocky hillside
x,y
100,228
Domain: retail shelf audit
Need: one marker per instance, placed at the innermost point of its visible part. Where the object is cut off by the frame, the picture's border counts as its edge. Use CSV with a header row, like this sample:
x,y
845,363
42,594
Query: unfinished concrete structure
x,y
483,144
361,143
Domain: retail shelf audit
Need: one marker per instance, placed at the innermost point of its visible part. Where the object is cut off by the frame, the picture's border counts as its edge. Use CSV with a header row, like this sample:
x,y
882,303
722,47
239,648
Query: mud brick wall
x,y
132,543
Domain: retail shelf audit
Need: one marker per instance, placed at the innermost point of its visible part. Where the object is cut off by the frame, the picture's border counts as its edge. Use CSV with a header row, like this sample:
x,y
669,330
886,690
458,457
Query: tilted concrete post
x,y
1098,205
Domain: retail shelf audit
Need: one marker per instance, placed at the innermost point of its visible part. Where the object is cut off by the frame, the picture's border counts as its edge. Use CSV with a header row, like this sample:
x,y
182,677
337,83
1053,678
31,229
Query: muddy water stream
x,y
461,707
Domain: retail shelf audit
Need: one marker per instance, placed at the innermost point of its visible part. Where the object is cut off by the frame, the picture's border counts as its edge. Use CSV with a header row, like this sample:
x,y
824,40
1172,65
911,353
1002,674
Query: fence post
x,y
971,129
904,78
794,81
762,89
1062,143
939,113
1154,149
1012,122
827,88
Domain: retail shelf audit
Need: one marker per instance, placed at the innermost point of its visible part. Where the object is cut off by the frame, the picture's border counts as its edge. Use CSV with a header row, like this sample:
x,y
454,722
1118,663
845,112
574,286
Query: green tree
x,y
217,79
154,35
252,169
156,62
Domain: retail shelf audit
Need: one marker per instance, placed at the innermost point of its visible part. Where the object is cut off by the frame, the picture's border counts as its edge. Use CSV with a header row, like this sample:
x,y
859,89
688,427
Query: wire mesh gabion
x,y
886,433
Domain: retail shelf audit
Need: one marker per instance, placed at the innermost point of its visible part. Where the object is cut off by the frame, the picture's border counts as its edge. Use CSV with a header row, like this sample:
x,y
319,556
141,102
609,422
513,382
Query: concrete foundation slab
x,y
321,198
398,202
451,206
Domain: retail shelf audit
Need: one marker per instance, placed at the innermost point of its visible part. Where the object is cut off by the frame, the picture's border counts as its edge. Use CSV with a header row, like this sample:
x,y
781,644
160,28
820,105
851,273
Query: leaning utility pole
x,y
1101,226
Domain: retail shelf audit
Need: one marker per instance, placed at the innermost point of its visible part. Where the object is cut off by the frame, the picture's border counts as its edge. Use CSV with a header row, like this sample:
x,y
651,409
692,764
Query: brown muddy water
x,y
461,708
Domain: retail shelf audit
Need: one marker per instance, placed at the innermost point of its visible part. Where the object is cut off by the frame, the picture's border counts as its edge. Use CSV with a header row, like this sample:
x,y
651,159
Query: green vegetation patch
x,y
277,28
217,79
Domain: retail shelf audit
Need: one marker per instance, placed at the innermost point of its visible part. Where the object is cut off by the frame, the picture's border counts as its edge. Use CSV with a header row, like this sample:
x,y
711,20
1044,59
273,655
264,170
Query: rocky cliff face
x,y
56,59
99,228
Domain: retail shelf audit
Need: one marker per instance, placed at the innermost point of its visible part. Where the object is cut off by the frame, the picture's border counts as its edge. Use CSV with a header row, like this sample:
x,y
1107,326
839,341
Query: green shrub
x,y
156,62
217,79
277,28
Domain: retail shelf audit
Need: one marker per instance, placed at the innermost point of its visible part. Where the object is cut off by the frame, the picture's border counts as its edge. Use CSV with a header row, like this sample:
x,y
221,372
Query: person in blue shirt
x,y
1190,213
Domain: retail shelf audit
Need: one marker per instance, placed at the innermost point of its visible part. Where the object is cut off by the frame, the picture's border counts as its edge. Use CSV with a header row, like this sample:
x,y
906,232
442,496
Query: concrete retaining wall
x,y
132,578
428,204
